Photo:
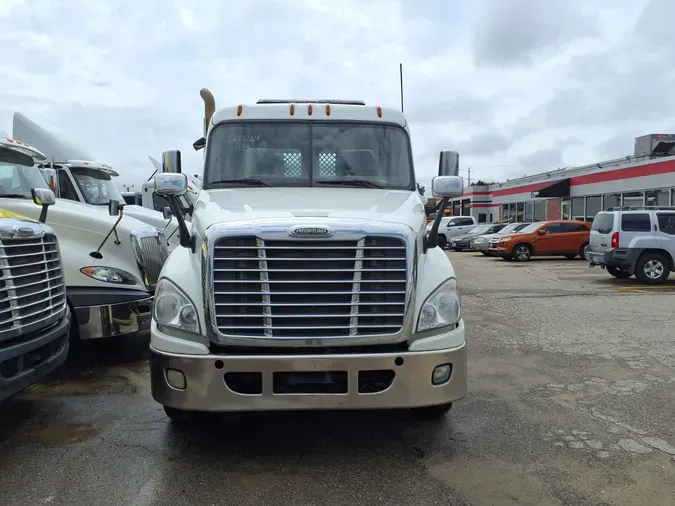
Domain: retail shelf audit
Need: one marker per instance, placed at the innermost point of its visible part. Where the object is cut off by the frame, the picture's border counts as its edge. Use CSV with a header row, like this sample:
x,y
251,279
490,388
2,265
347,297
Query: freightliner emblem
x,y
301,231
24,231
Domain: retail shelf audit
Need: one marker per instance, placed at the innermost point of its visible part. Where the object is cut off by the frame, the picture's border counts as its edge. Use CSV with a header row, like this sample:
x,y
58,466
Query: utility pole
x,y
400,72
469,176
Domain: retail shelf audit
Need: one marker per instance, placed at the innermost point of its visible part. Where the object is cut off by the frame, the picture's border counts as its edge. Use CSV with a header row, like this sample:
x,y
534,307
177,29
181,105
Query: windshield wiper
x,y
13,196
246,180
350,182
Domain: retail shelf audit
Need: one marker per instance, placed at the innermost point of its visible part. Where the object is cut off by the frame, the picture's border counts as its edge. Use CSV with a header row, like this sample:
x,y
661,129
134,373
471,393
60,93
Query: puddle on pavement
x,y
89,381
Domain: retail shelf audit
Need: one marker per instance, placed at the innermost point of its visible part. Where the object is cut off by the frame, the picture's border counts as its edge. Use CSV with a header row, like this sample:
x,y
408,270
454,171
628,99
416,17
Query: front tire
x,y
522,252
485,253
431,413
618,273
652,268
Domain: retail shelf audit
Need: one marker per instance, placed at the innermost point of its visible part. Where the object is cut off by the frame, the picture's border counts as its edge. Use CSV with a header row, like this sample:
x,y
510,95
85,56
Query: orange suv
x,y
567,238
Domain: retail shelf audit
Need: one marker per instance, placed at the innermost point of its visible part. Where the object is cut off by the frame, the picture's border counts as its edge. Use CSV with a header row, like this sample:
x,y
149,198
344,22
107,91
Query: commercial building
x,y
645,178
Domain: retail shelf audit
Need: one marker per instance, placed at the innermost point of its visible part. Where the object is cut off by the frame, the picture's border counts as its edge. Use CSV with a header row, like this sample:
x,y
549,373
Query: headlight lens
x,y
480,239
173,308
442,308
505,239
109,275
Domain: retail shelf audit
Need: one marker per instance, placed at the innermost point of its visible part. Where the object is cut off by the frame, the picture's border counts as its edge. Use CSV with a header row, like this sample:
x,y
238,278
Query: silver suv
x,y
636,241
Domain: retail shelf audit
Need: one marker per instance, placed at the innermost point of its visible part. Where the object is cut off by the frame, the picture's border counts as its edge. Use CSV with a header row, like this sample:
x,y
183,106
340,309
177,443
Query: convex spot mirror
x,y
171,184
43,196
447,186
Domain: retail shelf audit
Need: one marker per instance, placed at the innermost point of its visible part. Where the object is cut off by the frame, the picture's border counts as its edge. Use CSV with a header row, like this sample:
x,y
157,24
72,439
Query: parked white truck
x,y
308,280
111,262
34,316
85,181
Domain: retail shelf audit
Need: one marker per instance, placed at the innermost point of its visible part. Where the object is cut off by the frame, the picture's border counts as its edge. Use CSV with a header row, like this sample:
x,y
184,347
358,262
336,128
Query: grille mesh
x,y
151,254
309,288
32,286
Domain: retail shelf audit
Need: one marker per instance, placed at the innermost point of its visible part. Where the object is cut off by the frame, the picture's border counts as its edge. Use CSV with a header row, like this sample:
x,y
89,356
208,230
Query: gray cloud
x,y
542,160
517,31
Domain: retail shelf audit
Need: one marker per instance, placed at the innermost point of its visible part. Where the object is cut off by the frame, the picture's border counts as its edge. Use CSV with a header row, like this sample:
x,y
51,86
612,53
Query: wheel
x,y
618,273
179,416
522,252
485,253
432,412
652,268
582,251
457,249
570,257
442,241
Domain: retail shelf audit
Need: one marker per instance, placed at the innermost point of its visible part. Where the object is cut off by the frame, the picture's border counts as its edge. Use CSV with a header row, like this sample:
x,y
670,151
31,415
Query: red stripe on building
x,y
476,193
651,169
483,204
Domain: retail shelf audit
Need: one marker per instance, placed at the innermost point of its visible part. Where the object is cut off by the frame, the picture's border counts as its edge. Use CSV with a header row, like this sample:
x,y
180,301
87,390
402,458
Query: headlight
x,y
109,275
480,239
173,308
442,308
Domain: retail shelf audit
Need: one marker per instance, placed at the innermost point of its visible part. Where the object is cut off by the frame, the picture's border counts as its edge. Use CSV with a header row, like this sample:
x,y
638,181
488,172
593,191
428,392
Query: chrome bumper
x,y
114,320
208,389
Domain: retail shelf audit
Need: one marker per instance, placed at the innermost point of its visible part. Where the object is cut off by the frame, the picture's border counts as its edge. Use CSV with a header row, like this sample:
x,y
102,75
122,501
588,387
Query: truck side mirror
x,y
448,184
171,162
171,186
199,144
113,207
44,198
448,163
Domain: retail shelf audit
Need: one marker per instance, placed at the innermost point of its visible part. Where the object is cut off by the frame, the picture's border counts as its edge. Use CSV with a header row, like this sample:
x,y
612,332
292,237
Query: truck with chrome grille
x,y
34,316
111,262
308,279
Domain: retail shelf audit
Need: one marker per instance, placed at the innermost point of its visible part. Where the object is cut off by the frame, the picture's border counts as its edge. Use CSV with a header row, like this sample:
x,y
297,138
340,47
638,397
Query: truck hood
x,y
149,216
237,204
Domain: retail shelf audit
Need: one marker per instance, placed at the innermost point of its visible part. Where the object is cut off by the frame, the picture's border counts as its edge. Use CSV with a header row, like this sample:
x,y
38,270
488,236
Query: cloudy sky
x,y
516,86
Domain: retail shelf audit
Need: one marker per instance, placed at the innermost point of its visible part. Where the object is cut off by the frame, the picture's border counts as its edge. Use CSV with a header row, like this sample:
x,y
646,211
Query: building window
x,y
512,212
539,210
593,206
505,213
456,209
633,199
565,209
482,218
520,212
578,209
529,210
657,198
611,200
466,207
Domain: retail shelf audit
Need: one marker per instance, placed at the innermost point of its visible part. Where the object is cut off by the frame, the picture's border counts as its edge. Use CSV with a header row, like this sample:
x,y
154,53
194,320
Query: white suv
x,y
636,241
453,226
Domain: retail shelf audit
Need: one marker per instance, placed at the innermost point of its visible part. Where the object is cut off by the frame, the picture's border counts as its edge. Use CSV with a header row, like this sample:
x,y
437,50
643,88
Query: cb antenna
x,y
400,73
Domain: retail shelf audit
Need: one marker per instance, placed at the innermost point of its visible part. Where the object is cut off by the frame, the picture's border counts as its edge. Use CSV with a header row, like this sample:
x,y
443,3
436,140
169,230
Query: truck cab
x,y
34,315
111,262
308,279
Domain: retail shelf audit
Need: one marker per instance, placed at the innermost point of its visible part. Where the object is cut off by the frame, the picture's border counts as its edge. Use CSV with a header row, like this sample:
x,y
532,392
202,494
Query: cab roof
x,y
22,147
272,109
103,167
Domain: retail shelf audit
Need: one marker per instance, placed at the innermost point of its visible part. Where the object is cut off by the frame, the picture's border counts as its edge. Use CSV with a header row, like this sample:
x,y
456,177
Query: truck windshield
x,y
285,153
17,180
96,186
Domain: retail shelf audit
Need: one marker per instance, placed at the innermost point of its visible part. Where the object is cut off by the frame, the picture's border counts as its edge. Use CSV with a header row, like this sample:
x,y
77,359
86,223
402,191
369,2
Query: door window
x,y
66,187
553,228
573,227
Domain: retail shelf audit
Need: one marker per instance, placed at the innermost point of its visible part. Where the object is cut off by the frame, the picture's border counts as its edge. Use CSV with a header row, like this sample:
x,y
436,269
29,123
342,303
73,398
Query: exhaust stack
x,y
209,107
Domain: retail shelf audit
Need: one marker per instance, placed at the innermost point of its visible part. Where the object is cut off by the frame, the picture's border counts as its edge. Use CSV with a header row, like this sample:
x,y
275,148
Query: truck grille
x,y
32,287
310,288
151,252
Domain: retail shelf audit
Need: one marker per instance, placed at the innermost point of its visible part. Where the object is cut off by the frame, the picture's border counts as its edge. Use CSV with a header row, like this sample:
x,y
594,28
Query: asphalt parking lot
x,y
572,375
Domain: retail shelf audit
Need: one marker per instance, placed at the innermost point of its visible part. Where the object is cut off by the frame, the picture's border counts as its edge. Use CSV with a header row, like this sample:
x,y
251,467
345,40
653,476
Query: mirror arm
x,y
97,253
432,239
43,214
186,240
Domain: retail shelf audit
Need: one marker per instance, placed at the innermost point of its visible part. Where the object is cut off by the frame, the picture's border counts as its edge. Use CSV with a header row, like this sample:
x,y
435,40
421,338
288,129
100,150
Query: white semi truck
x,y
73,175
34,315
111,262
308,279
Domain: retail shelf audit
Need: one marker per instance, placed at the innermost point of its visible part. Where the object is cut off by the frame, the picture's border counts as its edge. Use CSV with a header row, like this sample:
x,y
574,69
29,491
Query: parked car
x,y
567,238
636,241
452,226
482,242
463,242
